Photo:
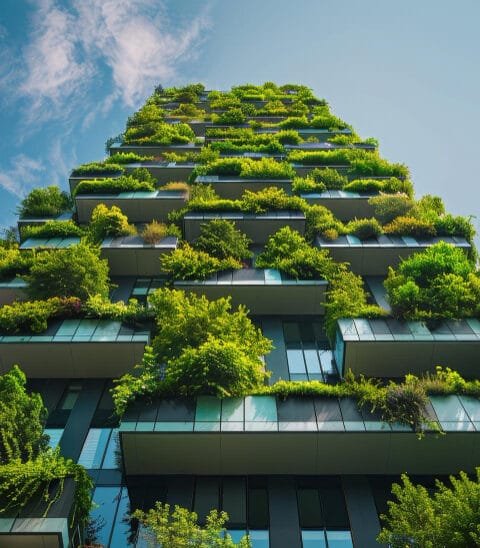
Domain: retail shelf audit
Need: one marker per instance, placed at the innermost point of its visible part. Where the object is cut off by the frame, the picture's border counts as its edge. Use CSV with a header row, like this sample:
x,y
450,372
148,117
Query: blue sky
x,y
404,72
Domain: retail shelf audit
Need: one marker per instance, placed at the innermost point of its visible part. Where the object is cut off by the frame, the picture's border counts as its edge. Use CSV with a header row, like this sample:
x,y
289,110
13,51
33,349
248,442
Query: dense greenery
x,y
188,329
76,271
22,419
125,183
44,202
448,517
52,229
264,168
440,282
172,529
15,262
222,239
108,222
159,133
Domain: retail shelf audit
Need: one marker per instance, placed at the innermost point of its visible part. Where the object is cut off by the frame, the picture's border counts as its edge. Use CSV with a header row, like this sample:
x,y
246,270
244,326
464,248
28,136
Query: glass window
x,y
94,447
113,456
206,496
339,539
54,435
70,396
314,539
296,363
234,501
103,515
309,509
257,504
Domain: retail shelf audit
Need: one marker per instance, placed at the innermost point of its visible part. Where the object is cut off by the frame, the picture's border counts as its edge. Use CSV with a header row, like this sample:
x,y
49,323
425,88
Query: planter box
x,y
263,292
130,256
30,529
75,349
234,187
344,205
154,150
373,257
197,126
321,134
390,348
262,435
322,145
303,170
257,227
139,207
12,290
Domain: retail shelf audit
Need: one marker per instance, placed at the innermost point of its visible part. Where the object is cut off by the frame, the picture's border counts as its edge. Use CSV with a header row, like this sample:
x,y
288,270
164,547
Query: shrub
x,y
306,185
364,228
410,226
98,168
125,183
176,185
186,263
266,168
390,186
159,133
438,283
33,316
321,221
327,121
154,232
127,158
216,367
271,198
326,157
234,116
222,239
15,262
450,225
288,251
144,176
22,419
74,271
294,122
373,165
44,202
52,229
387,207
179,527
331,178
108,222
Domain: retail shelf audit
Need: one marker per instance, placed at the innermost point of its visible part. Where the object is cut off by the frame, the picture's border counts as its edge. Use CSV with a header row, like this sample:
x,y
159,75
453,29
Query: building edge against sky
x,y
260,194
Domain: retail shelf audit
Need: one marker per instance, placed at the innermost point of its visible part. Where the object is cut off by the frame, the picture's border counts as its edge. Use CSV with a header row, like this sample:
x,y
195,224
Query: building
x,y
311,470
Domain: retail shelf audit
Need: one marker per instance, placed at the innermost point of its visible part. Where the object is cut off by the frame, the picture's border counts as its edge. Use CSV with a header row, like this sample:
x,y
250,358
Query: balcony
x,y
257,227
139,207
344,205
263,292
372,257
232,188
75,349
265,435
393,348
154,150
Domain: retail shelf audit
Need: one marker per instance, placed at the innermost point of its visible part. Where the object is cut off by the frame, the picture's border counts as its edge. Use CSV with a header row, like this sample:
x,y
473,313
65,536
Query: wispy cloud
x,y
22,175
71,44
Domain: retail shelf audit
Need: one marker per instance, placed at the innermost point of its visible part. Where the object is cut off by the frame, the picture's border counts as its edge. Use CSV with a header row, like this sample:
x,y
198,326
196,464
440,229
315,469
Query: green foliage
x,y
186,263
186,321
321,221
154,232
373,165
391,185
127,158
331,178
108,222
159,133
180,528
306,185
448,517
410,226
43,477
288,251
438,283
206,155
389,206
33,316
98,168
265,168
100,307
125,183
233,116
364,228
74,271
270,198
51,229
327,121
44,202
221,239
144,176
15,262
217,367
148,114
22,419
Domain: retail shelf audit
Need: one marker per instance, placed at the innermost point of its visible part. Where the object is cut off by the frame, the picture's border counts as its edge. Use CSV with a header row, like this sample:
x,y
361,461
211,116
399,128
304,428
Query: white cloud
x,y
22,176
69,47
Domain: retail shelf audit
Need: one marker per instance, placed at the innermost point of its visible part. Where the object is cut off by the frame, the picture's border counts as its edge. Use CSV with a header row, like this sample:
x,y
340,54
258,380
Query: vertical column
x,y
361,509
277,359
284,524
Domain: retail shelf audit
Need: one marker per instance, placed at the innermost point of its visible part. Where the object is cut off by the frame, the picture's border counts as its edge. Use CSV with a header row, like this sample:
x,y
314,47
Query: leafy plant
x,y
331,178
154,232
127,158
180,528
44,202
98,168
15,262
186,263
76,271
52,229
233,116
387,207
364,228
448,517
221,239
126,183
438,283
410,226
22,419
108,222
391,185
